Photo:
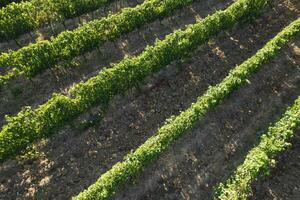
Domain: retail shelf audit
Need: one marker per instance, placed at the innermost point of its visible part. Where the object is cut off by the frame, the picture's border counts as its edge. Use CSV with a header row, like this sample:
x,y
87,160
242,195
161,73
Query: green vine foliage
x,y
20,18
261,157
33,58
29,124
175,127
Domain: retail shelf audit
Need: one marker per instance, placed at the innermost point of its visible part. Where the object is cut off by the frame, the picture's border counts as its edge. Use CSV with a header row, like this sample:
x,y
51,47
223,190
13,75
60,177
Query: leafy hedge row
x,y
19,18
261,157
31,59
175,127
29,124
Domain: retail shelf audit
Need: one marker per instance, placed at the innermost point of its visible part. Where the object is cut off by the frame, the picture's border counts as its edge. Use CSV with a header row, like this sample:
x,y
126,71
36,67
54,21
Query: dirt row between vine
x,y
207,154
53,29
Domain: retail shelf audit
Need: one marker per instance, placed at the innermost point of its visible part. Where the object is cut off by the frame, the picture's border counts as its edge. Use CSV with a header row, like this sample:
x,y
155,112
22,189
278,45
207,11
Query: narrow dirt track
x,y
206,155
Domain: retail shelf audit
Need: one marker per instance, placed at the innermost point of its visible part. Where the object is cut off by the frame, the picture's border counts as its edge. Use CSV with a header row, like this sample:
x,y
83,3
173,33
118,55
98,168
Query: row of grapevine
x,y
29,125
175,127
261,157
31,59
19,18
6,2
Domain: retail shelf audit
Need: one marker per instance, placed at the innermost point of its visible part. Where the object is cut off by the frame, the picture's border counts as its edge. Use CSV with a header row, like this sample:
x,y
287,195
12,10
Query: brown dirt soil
x,y
73,159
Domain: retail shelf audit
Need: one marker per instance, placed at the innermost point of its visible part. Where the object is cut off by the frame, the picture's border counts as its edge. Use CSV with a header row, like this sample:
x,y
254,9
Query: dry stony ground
x,y
73,159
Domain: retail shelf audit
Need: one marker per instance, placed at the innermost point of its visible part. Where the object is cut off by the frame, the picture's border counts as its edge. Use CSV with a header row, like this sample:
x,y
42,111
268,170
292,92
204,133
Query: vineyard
x,y
150,99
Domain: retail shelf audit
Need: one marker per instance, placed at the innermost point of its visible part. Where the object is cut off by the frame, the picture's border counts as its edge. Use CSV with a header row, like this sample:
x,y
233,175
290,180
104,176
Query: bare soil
x,y
74,158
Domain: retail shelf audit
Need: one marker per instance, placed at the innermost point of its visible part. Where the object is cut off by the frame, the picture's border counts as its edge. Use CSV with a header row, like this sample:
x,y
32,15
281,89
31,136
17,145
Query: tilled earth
x,y
206,155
